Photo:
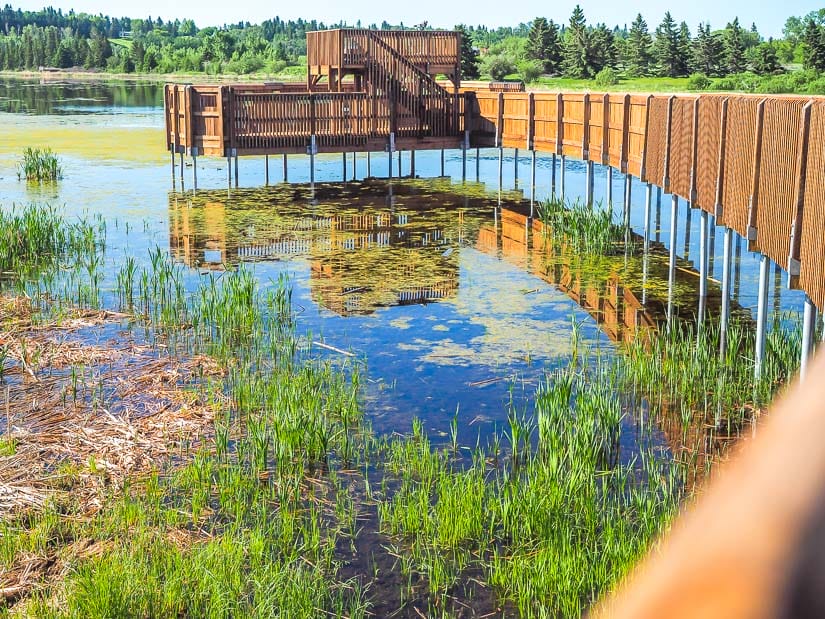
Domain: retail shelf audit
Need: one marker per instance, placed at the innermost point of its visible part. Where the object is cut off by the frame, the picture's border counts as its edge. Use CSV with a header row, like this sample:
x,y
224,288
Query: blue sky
x,y
768,16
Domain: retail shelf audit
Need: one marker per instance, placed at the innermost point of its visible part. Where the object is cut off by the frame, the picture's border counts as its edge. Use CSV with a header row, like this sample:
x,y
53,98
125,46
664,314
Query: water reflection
x,y
452,300
63,97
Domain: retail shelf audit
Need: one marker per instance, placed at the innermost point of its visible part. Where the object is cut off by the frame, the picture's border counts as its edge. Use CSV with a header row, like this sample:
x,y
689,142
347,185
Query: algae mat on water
x,y
84,138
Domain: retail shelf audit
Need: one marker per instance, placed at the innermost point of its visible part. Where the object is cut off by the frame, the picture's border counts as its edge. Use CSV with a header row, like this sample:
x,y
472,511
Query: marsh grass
x,y
39,164
585,229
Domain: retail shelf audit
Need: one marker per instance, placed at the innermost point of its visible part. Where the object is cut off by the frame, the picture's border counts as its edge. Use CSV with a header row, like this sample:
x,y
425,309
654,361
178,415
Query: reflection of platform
x,y
360,260
615,307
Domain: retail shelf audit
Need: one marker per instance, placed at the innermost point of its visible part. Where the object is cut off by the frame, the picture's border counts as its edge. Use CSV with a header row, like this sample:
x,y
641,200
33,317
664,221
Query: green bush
x,y
698,81
497,66
530,70
606,77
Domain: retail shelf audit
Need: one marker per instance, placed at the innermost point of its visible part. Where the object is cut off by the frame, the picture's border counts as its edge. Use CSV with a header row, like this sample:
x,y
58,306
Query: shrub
x,y
698,81
530,70
607,77
497,66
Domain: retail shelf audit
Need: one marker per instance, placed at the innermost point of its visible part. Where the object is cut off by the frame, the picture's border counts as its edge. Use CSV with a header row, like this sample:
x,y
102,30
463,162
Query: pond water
x,y
443,289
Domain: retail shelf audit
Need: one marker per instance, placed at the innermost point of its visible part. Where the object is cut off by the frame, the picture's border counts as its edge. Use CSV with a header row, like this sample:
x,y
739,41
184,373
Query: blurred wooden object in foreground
x,y
752,544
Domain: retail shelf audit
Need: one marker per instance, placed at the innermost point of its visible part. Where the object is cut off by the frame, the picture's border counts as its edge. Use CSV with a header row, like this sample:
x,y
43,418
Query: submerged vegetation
x,y
254,485
40,164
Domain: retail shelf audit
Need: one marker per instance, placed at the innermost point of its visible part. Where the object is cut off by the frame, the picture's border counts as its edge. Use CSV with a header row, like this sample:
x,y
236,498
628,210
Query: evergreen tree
x,y
685,44
667,51
543,44
578,50
764,59
637,58
707,51
603,44
813,46
469,55
735,61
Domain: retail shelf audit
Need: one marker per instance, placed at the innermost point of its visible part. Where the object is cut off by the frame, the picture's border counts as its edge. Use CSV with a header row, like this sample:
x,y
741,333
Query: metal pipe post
x,y
725,318
808,329
761,314
671,276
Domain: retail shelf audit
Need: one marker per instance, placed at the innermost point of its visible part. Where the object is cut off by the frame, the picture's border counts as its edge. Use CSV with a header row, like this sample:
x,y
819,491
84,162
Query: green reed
x,y
587,229
39,164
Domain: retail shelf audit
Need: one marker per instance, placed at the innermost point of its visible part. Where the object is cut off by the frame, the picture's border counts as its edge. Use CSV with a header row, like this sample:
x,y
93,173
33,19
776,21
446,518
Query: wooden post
x,y
194,168
586,127
720,172
625,134
643,164
286,169
478,164
369,164
344,167
694,155
669,127
799,196
500,121
442,162
267,170
606,129
757,167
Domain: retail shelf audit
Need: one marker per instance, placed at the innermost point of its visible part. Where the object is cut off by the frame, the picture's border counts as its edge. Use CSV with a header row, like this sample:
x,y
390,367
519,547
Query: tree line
x,y
577,49
580,50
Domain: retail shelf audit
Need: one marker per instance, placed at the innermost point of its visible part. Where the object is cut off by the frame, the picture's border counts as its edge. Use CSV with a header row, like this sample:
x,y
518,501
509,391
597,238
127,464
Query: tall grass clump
x,y
682,371
36,238
585,229
39,164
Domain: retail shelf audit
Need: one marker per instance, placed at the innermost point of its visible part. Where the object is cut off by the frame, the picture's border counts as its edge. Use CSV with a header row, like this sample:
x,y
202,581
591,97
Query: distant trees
x,y
469,55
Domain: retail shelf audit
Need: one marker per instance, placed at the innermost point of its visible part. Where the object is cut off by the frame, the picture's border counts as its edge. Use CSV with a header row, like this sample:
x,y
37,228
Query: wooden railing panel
x,y
485,117
515,120
636,132
545,122
681,147
776,210
597,129
812,242
573,124
740,154
707,159
617,131
656,150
